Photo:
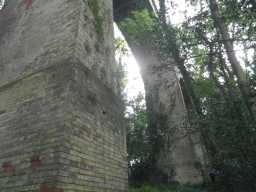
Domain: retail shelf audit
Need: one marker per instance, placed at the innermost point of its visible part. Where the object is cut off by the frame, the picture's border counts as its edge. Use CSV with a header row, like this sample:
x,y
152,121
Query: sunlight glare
x,y
135,84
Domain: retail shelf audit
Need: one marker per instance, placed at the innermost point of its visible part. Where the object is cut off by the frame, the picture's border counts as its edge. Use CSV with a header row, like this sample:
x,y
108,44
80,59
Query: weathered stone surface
x,y
61,120
181,155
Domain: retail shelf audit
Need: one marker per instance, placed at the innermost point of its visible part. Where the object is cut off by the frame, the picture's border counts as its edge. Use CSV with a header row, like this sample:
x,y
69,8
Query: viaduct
x,y
61,115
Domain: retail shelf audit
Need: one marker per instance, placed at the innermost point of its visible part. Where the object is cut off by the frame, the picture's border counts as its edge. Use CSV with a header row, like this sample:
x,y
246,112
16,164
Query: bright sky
x,y
135,84
2,2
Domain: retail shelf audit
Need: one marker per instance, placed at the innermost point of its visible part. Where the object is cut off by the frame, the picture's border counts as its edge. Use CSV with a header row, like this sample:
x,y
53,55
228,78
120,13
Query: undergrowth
x,y
165,188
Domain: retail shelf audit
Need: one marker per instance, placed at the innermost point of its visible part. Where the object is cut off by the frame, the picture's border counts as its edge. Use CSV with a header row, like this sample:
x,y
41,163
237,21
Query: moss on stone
x,y
95,8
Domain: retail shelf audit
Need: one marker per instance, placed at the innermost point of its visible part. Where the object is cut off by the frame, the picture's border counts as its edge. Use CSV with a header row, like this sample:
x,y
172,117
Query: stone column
x,y
181,156
61,117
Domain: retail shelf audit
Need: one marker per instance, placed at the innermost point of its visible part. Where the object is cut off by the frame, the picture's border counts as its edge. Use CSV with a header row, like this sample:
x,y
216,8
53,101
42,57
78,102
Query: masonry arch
x,y
166,109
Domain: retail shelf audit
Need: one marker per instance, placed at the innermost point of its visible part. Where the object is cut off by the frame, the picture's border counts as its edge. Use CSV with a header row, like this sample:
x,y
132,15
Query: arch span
x,y
181,154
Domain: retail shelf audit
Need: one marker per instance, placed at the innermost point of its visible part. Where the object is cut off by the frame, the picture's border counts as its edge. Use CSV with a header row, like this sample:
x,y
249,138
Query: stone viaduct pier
x,y
61,117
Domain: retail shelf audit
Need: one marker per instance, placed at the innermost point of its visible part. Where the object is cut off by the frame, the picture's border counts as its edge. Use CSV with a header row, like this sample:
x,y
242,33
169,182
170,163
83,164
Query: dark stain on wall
x,y
46,188
35,162
7,167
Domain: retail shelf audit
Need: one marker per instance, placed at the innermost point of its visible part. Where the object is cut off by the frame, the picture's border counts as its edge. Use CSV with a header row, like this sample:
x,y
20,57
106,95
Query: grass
x,y
165,188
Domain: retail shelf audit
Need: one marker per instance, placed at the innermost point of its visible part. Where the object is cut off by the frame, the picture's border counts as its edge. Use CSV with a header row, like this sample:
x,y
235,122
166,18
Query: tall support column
x,y
180,153
61,116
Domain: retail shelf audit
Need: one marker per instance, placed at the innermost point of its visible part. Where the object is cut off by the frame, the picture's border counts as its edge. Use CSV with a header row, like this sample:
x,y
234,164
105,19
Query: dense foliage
x,y
215,52
138,140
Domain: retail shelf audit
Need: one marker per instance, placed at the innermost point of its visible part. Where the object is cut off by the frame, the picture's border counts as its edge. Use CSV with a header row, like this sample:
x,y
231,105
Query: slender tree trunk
x,y
210,62
228,44
162,12
154,6
188,85
229,47
227,77
171,38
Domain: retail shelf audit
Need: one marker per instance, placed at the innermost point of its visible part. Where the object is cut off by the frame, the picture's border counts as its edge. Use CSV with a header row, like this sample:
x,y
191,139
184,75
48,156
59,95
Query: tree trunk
x,y
229,47
162,12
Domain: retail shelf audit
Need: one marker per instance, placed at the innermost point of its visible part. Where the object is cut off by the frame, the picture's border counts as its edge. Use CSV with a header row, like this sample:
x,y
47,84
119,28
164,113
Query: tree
x,y
138,140
228,44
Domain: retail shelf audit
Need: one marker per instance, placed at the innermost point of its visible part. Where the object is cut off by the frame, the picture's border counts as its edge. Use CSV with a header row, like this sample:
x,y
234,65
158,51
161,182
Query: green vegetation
x,y
120,52
220,100
95,8
138,140
140,27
